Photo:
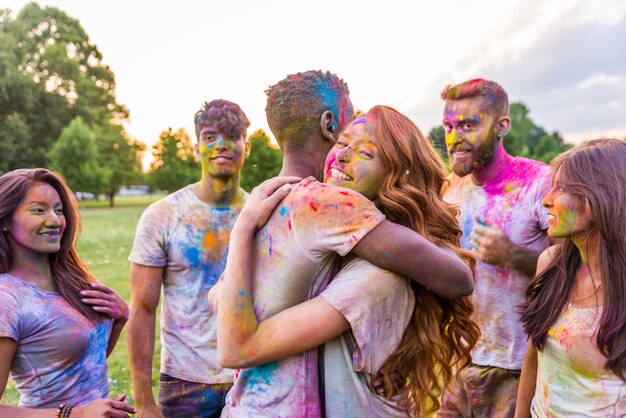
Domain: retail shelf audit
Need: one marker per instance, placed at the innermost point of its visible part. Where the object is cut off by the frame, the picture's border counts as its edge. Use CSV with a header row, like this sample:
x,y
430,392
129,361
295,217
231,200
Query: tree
x,y
175,164
265,161
119,158
49,74
75,155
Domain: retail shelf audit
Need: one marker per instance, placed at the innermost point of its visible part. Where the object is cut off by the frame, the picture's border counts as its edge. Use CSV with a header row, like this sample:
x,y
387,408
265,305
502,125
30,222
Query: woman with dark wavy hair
x,y
375,322
57,324
575,309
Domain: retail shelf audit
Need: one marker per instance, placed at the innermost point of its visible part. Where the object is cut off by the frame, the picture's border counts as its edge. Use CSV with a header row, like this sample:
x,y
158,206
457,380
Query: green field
x,y
104,245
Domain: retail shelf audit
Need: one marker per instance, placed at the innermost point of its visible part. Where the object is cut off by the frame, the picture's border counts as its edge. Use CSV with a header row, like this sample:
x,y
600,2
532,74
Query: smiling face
x,y
221,155
569,215
354,161
38,223
471,133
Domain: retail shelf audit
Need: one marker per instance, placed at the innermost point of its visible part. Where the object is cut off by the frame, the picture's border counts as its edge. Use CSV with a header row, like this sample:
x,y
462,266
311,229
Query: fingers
x,y
120,398
122,408
99,286
268,187
278,195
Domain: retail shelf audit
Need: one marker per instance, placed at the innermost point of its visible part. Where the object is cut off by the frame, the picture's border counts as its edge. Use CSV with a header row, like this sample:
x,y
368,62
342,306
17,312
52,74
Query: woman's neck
x,y
33,268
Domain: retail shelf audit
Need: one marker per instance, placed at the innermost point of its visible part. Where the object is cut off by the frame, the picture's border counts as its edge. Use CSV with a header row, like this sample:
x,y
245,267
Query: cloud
x,y
599,79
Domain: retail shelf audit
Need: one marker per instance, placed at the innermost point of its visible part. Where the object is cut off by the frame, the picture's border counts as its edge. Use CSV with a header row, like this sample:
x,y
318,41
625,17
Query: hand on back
x,y
263,200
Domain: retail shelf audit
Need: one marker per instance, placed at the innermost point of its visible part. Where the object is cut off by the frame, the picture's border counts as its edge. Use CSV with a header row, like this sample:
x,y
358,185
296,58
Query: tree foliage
x,y
264,161
49,74
175,164
118,158
75,155
525,138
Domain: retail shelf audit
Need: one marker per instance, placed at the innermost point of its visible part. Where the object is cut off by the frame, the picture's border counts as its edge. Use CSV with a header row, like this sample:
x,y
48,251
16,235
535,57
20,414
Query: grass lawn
x,y
104,245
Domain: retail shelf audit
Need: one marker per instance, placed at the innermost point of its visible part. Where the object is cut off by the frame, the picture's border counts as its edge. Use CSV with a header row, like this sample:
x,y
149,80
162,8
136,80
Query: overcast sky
x,y
565,59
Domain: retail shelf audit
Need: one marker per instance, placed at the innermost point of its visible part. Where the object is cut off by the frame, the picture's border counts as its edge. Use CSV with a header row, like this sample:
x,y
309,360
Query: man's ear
x,y
504,123
328,126
247,147
196,150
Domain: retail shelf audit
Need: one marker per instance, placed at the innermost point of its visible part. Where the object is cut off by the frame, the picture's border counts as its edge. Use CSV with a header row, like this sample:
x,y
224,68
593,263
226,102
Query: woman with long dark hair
x,y
372,321
57,324
575,309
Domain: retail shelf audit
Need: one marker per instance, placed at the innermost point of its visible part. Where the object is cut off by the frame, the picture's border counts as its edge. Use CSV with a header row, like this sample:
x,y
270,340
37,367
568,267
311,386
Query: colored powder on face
x,y
362,120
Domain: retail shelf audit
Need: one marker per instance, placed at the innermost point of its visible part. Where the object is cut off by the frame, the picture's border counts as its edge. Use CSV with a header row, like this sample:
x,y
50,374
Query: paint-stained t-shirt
x,y
378,305
572,380
296,253
511,202
189,238
61,355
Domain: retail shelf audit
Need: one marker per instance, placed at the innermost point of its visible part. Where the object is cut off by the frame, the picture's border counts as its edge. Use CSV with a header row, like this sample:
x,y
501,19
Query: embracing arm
x,y
244,342
145,285
527,383
399,249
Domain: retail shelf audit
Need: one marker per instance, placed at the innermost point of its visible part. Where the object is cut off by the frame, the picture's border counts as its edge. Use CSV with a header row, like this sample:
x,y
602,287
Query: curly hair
x,y
296,103
440,334
69,273
596,173
227,117
497,98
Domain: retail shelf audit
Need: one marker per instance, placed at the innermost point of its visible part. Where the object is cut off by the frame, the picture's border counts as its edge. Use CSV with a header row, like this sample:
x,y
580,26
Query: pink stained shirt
x,y
513,203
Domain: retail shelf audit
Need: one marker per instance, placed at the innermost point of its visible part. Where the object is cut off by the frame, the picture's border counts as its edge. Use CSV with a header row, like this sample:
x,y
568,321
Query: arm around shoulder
x,y
401,250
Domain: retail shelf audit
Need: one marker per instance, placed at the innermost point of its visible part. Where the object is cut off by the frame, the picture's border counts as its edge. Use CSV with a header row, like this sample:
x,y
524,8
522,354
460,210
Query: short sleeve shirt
x,y
513,203
296,254
61,355
378,305
189,238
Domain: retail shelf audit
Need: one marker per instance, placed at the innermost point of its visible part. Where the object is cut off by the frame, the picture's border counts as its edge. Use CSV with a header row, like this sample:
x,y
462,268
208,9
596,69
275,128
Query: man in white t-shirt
x,y
180,248
504,223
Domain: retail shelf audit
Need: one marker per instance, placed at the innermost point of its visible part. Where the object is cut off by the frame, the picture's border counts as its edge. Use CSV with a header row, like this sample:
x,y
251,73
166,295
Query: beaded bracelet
x,y
64,411
60,411
68,411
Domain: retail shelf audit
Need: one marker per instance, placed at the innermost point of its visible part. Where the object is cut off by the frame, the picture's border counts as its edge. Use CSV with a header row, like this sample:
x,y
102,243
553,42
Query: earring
x,y
4,229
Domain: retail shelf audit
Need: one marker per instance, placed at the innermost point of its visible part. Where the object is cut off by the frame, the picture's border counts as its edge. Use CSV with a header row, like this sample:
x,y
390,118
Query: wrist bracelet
x,y
60,411
68,411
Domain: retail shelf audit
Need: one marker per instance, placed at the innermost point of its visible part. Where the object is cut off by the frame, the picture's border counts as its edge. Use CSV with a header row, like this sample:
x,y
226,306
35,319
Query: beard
x,y
478,157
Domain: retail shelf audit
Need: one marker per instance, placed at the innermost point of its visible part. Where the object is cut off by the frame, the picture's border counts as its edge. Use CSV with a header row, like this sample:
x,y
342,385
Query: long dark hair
x,y
69,273
440,334
596,173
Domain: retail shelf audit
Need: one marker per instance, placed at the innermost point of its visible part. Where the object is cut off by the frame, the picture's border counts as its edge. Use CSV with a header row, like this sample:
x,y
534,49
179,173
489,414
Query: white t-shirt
x,y
571,378
190,239
295,255
378,305
513,203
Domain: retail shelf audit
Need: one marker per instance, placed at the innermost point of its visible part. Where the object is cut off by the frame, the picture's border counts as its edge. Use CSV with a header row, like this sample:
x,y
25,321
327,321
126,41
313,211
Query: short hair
x,y
296,103
497,98
226,117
